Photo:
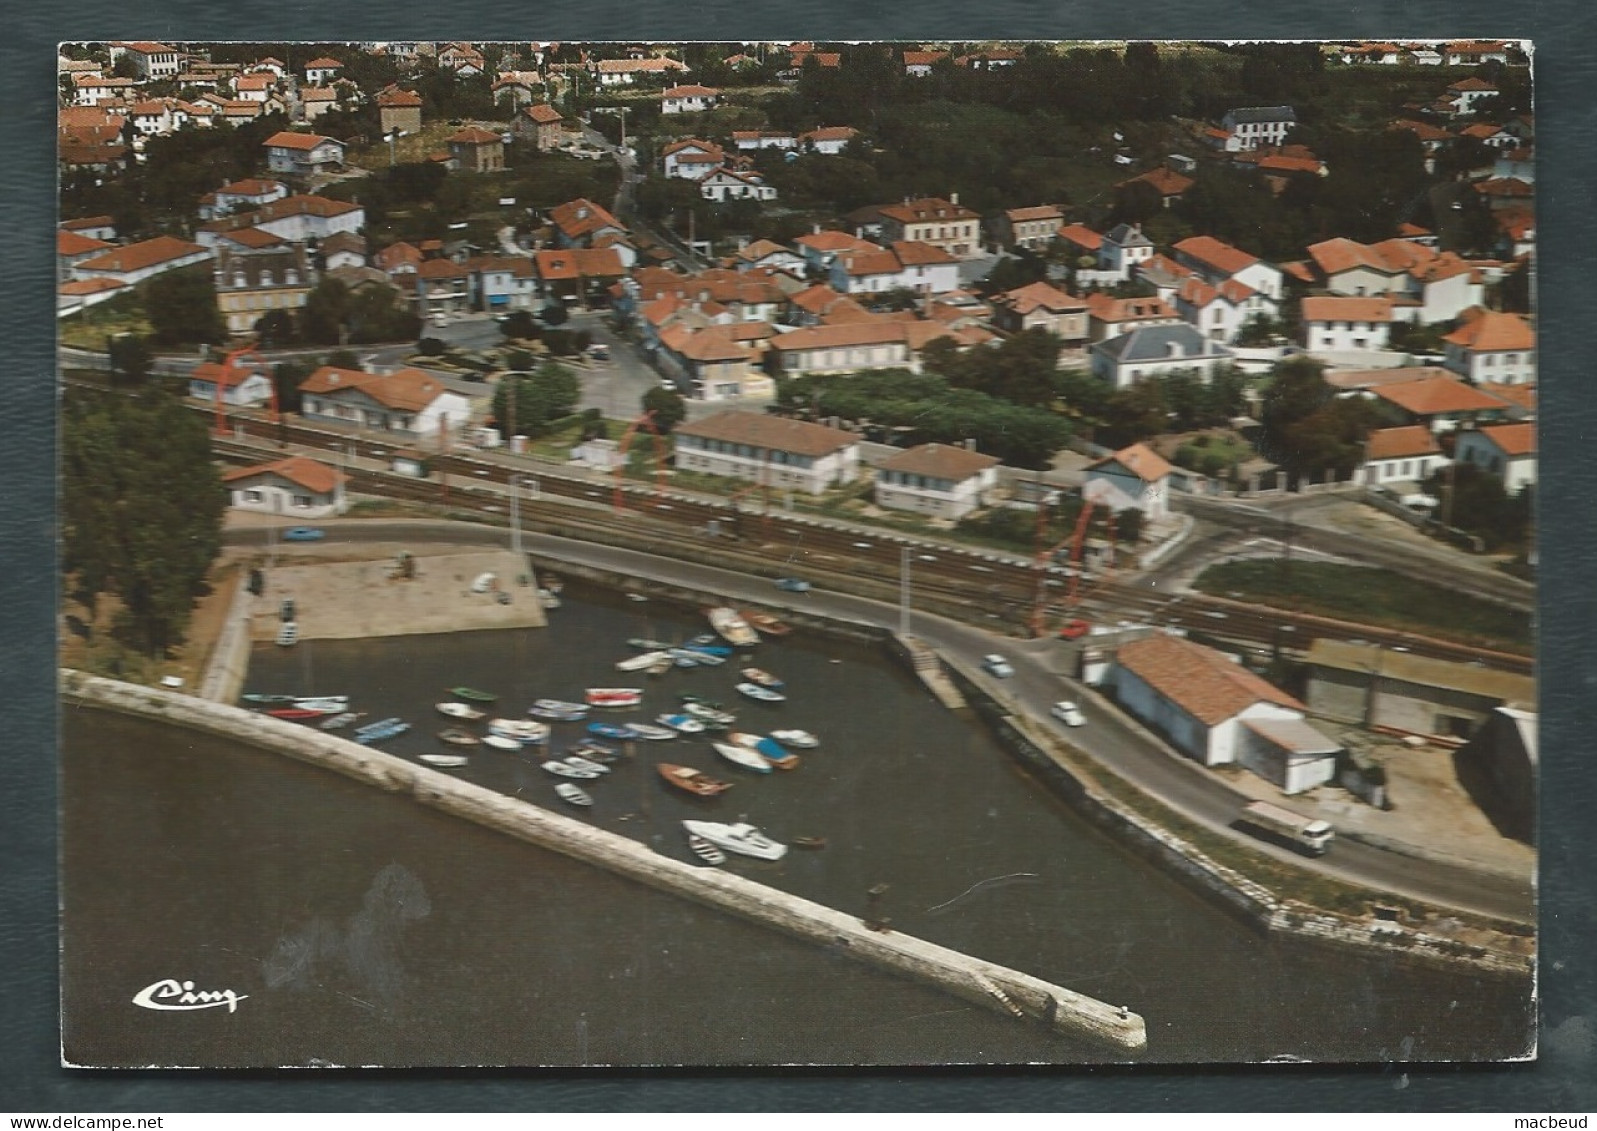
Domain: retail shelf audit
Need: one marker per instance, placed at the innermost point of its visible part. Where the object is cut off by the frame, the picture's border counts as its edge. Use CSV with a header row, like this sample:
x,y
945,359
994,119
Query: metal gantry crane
x,y
645,422
1074,563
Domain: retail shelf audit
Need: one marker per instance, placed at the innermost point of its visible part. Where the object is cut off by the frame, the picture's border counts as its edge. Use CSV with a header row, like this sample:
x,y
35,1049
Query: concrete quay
x,y
983,983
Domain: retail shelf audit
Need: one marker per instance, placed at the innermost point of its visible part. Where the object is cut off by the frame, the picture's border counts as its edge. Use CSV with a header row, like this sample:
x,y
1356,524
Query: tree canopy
x,y
528,403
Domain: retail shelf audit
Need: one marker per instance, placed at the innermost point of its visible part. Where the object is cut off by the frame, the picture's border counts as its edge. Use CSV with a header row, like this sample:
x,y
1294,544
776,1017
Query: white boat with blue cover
x,y
652,732
763,694
743,756
686,724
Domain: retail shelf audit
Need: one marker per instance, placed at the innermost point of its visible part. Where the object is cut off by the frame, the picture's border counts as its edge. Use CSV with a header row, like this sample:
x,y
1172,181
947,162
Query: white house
x,y
304,154
243,386
322,71
1344,322
297,487
1134,478
408,401
1153,351
1465,93
1216,262
688,99
907,265
1251,127
692,158
827,140
135,262
1216,711
1507,451
1122,248
772,451
1400,455
937,480
294,218
241,196
1220,311
1492,346
152,60
1426,286
729,184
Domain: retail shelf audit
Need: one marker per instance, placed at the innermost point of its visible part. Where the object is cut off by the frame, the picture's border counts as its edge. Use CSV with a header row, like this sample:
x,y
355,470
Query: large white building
x,y
1217,712
772,451
936,480
409,401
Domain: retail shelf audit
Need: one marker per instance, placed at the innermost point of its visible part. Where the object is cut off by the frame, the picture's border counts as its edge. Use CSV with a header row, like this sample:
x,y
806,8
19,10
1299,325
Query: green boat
x,y
472,694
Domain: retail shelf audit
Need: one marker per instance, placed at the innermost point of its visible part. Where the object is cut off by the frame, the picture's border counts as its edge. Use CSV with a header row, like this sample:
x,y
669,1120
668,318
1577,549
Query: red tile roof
x,y
1199,680
927,208
473,135
774,433
689,90
1347,308
1492,331
1165,179
939,461
1082,236
89,286
137,256
543,113
396,98
1435,395
226,376
1024,300
1034,212
70,243
1519,396
409,390
287,139
1398,443
578,218
1511,439
1107,308
1139,459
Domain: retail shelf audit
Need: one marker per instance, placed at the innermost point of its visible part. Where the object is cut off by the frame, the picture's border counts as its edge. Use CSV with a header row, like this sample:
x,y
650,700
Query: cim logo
x,y
170,994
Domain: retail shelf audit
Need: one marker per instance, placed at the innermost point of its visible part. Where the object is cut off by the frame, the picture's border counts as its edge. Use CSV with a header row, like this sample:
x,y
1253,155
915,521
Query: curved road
x,y
1177,782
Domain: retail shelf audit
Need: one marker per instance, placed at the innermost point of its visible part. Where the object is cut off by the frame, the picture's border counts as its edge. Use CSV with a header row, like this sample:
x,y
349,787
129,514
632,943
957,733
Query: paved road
x,y
1180,783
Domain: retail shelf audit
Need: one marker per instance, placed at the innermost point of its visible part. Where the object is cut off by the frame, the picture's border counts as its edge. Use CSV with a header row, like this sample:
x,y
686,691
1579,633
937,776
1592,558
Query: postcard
x,y
797,553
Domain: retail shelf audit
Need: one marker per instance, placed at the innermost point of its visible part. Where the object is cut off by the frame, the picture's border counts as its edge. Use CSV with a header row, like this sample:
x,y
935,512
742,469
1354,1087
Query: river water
x,y
366,930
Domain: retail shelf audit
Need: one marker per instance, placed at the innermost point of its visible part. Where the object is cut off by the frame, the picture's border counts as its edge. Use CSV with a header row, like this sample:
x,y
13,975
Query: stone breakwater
x,y
983,983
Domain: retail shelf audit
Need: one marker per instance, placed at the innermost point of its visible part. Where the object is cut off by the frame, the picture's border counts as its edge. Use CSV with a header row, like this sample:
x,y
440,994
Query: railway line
x,y
984,586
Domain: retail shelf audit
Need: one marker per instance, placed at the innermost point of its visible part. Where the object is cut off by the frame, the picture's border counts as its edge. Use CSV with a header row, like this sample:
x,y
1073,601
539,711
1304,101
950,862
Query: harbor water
x,y
362,929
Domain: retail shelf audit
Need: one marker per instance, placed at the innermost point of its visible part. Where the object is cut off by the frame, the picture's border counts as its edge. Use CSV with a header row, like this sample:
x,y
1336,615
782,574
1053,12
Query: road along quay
x,y
994,987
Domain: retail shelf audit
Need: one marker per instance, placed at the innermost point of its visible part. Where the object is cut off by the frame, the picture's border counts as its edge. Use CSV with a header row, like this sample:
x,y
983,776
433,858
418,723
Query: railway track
x,y
992,586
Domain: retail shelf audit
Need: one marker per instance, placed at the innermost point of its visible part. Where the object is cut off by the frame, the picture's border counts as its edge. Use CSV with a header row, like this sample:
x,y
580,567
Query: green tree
x,y
322,318
141,509
667,405
528,403
181,307
131,360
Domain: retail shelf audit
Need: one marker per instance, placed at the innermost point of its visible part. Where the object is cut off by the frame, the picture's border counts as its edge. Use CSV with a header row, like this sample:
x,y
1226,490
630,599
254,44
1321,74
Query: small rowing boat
x,y
643,644
652,732
581,763
297,714
765,623
732,628
501,742
685,724
573,794
613,696
340,721
261,700
461,711
444,761
802,739
767,748
457,737
710,716
692,781
566,770
809,842
522,730
642,661
696,657
704,850
473,694
612,730
762,677
763,694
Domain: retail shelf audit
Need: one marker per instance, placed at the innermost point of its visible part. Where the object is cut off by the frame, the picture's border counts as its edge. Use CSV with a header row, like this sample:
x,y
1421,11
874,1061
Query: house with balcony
x,y
303,155
772,451
408,402
936,480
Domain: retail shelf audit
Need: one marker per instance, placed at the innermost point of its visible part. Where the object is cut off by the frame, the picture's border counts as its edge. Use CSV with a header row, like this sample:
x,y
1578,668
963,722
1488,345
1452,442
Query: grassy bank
x,y
1373,596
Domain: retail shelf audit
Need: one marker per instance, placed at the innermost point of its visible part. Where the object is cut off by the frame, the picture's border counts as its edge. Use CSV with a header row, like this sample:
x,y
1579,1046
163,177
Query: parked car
x,y
793,584
599,352
1074,629
996,665
1068,713
303,534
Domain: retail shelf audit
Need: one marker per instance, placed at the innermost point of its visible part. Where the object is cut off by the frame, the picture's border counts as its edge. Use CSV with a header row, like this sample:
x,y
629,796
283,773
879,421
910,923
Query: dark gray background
x,y
1564,32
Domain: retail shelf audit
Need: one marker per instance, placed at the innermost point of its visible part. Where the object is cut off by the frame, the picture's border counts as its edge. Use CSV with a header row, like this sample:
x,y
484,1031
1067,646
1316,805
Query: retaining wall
x,y
229,660
972,979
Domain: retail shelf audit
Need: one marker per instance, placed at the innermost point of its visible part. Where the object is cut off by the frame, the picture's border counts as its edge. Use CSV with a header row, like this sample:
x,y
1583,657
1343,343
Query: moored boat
x,y
573,794
263,700
383,733
684,723
582,763
613,696
297,714
698,657
642,661
444,761
767,748
704,850
643,644
742,838
696,782
473,694
457,737
522,730
762,677
567,770
612,730
748,759
702,701
340,721
501,742
461,711
560,705
594,752
802,739
337,702
732,628
809,842
709,715
652,732
764,694
379,724
765,623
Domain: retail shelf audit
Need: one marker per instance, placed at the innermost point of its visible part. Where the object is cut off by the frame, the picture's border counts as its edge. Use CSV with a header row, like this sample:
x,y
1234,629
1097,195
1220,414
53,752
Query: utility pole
x,y
515,516
903,591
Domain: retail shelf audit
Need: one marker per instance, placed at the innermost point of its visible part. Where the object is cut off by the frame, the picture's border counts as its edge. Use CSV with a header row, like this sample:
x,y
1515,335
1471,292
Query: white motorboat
x,y
500,742
743,756
710,714
461,711
573,794
643,661
650,731
444,761
701,658
741,838
522,730
323,702
802,739
582,763
566,770
764,694
733,628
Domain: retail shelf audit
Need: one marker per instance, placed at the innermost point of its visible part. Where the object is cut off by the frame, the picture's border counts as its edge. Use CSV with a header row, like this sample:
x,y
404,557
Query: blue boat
x,y
612,730
709,649
382,734
380,724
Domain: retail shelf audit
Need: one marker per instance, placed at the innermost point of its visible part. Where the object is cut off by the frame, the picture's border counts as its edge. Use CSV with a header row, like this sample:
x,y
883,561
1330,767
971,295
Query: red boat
x,y
614,696
765,623
296,714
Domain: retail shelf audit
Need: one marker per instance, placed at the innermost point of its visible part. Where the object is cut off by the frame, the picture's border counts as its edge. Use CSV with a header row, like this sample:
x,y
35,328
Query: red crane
x,y
1076,542
644,421
228,367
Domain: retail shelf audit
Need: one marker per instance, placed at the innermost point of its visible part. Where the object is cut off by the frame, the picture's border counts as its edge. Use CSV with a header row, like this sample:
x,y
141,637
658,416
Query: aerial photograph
x,y
705,554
